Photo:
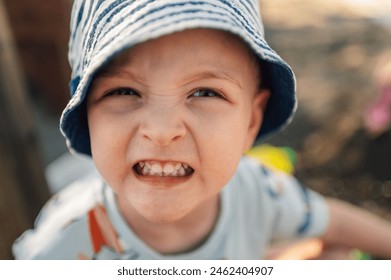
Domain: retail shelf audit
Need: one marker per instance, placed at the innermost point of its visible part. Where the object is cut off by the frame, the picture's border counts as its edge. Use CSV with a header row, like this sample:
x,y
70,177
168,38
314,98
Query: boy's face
x,y
170,118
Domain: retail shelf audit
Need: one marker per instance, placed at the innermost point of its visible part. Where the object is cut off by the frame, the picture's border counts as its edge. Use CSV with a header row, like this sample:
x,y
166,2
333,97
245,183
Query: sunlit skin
x,y
191,97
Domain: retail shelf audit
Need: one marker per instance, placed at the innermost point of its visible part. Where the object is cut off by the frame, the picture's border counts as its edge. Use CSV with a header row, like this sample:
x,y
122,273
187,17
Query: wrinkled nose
x,y
163,127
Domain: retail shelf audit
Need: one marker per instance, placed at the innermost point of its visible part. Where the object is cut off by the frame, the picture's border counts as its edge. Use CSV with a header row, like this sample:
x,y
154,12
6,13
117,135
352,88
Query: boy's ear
x,y
257,112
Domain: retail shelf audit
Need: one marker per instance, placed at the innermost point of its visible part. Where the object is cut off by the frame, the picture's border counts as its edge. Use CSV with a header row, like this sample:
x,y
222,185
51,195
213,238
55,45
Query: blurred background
x,y
336,48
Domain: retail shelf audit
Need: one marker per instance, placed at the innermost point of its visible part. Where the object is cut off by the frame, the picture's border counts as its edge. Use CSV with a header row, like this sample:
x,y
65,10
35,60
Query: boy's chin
x,y
162,214
162,218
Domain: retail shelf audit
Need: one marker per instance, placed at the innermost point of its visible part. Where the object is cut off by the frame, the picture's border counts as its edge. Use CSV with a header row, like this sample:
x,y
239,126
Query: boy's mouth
x,y
163,169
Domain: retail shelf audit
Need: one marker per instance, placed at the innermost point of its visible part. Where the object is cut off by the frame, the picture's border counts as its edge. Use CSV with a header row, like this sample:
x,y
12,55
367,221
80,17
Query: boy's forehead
x,y
207,40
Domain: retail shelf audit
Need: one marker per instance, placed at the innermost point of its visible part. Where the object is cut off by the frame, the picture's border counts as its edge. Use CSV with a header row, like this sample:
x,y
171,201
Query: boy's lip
x,y
163,182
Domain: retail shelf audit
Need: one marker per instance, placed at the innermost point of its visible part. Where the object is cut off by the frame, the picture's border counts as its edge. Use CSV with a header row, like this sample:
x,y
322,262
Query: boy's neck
x,y
177,237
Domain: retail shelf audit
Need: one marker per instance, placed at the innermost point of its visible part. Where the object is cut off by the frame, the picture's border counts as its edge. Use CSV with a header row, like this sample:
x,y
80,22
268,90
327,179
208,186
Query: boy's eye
x,y
122,91
205,93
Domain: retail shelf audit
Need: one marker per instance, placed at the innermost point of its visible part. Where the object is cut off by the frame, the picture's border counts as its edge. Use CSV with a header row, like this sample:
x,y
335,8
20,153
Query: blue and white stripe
x,y
101,29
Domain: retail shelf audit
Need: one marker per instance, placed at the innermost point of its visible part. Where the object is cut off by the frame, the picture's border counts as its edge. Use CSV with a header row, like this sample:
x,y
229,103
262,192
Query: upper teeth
x,y
166,169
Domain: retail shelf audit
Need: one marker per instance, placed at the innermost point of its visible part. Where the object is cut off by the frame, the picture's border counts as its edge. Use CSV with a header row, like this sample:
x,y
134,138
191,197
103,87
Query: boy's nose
x,y
163,127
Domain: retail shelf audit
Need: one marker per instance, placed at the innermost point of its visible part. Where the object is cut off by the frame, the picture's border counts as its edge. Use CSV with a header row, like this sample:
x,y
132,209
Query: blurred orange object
x,y
310,249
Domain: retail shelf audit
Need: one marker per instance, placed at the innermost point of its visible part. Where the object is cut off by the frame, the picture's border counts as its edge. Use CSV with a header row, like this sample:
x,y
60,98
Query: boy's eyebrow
x,y
109,72
118,72
212,75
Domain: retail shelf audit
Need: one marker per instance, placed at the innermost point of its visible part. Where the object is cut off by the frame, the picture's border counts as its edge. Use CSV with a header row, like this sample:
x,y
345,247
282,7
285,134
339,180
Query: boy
x,y
167,96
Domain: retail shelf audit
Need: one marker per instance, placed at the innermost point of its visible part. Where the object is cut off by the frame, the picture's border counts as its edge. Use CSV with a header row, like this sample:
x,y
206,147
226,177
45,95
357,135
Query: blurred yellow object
x,y
277,158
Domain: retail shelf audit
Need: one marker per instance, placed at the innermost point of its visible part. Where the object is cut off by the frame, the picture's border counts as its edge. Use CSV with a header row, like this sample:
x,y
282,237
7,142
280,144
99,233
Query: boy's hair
x,y
101,30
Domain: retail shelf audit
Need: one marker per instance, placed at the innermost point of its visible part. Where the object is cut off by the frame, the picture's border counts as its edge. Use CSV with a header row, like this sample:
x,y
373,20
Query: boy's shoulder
x,y
293,209
259,190
62,222
253,174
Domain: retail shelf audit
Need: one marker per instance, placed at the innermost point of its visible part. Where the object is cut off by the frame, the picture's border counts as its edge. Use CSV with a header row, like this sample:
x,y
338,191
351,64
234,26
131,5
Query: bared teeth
x,y
167,169
181,172
156,169
178,166
145,170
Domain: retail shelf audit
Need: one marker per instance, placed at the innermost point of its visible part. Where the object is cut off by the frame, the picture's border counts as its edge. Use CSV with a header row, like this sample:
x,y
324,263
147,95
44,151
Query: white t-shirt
x,y
257,206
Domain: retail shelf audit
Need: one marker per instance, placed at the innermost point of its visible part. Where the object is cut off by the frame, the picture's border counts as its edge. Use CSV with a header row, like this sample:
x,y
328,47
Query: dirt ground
x,y
333,47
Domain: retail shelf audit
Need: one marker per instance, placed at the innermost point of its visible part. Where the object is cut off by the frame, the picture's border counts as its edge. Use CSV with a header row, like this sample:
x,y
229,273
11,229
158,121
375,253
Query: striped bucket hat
x,y
101,29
